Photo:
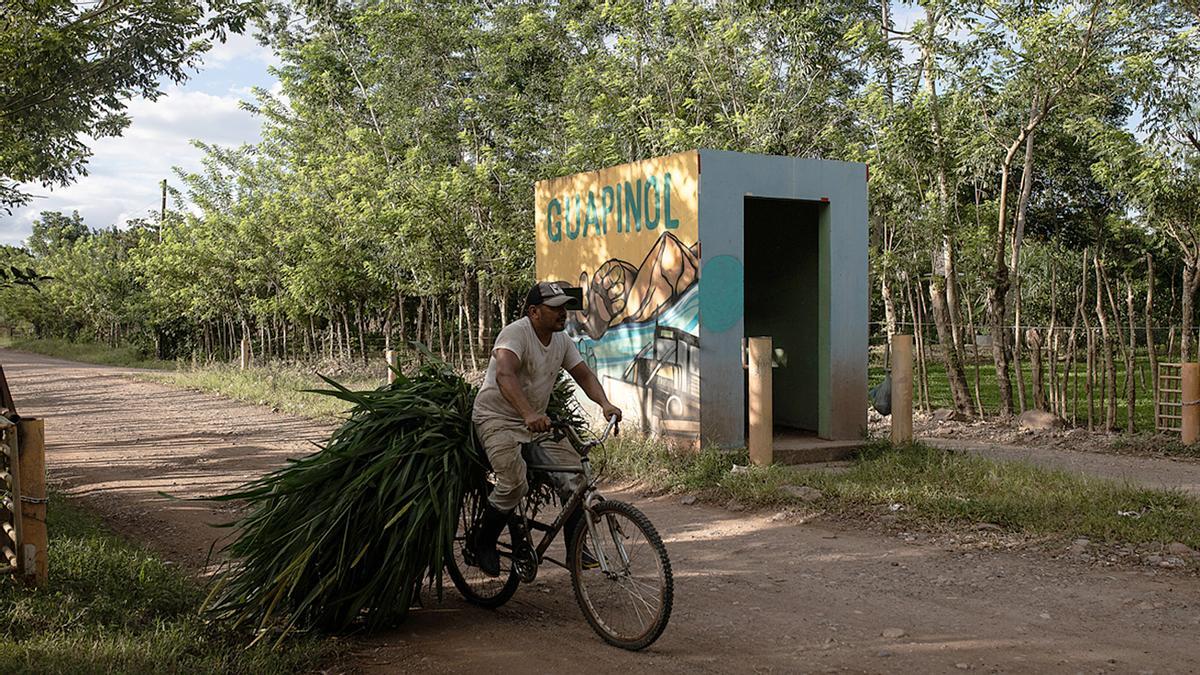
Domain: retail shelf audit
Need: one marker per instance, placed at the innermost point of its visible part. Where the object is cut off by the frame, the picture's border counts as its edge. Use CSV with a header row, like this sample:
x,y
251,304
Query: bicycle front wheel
x,y
622,576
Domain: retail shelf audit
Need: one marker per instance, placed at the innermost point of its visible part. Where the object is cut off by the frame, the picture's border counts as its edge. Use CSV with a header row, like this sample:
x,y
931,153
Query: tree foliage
x,y
70,68
1020,154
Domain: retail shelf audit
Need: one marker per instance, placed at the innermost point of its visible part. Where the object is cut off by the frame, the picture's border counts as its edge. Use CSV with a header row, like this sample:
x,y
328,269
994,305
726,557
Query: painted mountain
x,y
620,293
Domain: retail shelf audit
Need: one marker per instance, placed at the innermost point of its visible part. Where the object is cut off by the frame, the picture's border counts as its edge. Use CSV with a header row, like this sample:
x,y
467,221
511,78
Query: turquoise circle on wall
x,y
721,293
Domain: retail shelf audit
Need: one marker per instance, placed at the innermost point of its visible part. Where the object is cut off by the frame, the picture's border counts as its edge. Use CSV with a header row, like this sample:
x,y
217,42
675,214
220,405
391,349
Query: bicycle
x,y
623,584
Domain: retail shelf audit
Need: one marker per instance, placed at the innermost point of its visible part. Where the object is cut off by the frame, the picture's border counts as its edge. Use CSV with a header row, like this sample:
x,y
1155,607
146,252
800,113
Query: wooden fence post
x,y
902,389
762,419
390,355
245,359
31,435
1189,431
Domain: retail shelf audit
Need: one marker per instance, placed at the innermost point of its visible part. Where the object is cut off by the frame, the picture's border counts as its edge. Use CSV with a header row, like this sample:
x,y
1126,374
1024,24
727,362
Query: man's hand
x,y
537,422
610,410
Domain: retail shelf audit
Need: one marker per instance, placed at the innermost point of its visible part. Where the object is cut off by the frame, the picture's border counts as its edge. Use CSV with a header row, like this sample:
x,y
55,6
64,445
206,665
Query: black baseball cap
x,y
554,294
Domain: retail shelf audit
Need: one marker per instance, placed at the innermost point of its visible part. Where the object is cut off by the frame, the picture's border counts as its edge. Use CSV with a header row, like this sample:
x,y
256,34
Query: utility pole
x,y
162,215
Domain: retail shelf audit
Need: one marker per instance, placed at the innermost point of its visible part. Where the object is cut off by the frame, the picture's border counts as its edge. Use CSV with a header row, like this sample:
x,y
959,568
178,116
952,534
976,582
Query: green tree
x,y
71,67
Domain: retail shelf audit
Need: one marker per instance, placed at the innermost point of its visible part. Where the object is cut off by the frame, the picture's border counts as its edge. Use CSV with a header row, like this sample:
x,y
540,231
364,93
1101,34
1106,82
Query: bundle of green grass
x,y
348,535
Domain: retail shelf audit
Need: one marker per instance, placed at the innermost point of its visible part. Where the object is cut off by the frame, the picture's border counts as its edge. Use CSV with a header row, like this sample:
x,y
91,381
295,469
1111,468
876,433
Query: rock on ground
x,y
948,415
1039,420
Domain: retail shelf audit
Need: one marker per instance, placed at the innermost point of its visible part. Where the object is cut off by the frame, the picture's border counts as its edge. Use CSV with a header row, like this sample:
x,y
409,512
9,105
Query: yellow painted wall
x,y
579,225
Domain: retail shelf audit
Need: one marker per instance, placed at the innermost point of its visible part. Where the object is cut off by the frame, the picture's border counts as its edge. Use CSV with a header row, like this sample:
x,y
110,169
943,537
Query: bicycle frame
x,y
579,499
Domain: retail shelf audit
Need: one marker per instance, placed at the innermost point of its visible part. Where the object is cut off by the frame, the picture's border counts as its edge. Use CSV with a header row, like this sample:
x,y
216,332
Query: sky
x,y
125,172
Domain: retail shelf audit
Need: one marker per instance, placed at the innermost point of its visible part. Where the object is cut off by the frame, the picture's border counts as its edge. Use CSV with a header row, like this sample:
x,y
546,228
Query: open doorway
x,y
781,254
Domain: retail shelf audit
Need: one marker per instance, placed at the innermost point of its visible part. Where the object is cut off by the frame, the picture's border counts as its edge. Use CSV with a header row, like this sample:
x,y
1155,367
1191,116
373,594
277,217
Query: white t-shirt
x,y
539,369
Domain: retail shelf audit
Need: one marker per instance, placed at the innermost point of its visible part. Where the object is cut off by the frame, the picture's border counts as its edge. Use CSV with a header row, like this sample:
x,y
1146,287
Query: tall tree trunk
x,y
954,368
360,324
975,356
1187,297
1110,373
1150,350
1130,358
1089,381
889,304
387,326
1071,377
926,398
1035,356
403,318
482,315
439,312
421,322
916,323
943,259
1071,382
469,323
996,316
1018,239
1052,342
1018,365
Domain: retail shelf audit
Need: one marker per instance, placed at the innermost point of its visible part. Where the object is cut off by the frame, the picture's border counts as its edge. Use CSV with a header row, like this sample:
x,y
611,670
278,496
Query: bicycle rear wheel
x,y
475,586
628,604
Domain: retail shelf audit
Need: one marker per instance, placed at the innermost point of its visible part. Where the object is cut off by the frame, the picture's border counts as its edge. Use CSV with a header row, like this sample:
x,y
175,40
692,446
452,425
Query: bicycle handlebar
x,y
612,424
565,427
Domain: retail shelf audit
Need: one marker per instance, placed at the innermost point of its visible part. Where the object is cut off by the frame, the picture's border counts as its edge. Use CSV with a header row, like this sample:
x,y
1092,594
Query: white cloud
x,y
125,171
237,51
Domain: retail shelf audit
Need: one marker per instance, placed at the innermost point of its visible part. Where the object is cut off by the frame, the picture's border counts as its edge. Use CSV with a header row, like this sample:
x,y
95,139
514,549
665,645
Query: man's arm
x,y
507,365
590,384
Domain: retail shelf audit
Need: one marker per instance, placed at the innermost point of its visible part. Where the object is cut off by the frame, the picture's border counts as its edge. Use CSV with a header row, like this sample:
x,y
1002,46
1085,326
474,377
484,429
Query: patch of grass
x,y
934,487
113,607
279,386
87,352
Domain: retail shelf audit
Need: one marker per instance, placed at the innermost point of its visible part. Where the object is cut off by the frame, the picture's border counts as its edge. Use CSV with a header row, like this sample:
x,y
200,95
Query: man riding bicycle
x,y
511,406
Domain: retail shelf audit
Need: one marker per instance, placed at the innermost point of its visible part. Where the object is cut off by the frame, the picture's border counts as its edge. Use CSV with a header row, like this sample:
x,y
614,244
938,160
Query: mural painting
x,y
628,235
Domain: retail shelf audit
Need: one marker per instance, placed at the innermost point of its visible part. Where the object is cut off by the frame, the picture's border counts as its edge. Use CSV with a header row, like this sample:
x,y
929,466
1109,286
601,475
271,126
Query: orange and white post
x,y
762,418
1189,428
902,389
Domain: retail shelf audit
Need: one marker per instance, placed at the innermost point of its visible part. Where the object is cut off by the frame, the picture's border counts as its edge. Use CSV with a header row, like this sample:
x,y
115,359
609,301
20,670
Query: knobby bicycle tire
x,y
639,519
469,592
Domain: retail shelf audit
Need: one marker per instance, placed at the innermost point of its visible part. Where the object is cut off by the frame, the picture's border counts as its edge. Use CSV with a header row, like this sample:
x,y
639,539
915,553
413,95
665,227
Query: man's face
x,y
549,318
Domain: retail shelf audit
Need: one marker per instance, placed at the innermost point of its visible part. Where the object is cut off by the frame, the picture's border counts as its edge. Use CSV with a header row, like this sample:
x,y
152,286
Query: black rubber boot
x,y
491,524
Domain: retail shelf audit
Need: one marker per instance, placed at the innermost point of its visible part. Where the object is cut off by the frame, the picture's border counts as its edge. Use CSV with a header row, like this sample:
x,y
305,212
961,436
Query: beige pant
x,y
502,442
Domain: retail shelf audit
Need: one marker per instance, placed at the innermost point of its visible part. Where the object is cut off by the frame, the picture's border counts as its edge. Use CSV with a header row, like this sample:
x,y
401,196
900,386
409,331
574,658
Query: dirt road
x,y
754,592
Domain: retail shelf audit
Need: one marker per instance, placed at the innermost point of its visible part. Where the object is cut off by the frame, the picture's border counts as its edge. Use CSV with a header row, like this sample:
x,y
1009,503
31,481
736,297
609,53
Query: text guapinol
x,y
626,206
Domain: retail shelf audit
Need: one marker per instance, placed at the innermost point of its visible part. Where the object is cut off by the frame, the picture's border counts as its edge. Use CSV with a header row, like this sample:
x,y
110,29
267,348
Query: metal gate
x,y
10,498
1168,409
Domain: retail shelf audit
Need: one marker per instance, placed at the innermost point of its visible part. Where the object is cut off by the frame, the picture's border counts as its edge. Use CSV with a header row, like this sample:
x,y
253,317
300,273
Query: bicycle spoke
x,y
633,593
629,603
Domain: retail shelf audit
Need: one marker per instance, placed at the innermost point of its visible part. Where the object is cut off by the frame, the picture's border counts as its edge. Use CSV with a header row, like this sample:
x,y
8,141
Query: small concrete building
x,y
682,257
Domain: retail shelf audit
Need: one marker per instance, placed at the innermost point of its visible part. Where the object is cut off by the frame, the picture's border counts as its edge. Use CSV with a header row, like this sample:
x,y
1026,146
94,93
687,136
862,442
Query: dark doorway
x,y
781,254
